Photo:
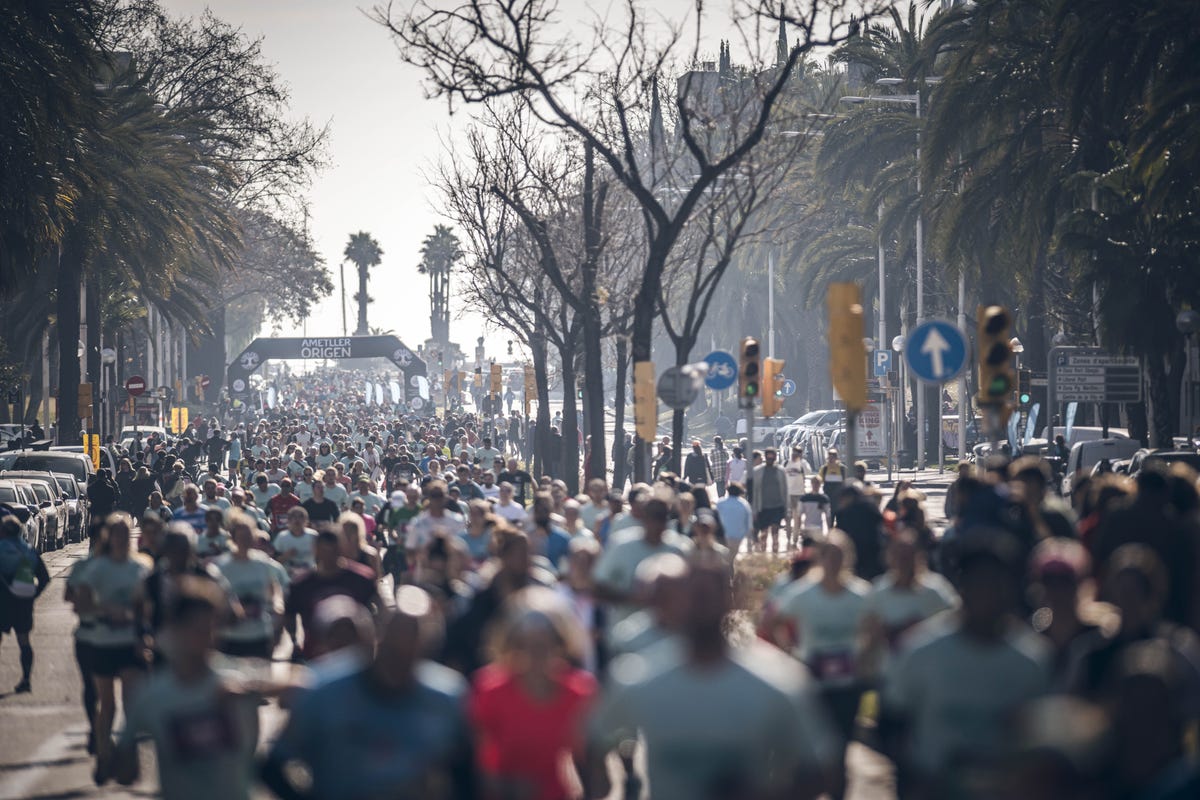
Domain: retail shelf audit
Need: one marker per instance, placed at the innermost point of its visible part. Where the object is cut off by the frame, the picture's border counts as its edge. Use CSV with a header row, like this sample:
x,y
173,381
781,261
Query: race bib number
x,y
837,666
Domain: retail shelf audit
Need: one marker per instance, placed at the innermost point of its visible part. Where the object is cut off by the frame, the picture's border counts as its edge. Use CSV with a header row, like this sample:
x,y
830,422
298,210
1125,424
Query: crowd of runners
x,y
461,628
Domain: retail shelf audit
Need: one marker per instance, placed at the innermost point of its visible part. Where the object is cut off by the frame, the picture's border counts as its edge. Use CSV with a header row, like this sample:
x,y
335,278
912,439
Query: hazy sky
x,y
342,68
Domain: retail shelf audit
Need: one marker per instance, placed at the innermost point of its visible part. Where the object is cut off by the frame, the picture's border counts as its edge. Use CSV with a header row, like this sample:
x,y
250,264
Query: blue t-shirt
x,y
15,554
360,743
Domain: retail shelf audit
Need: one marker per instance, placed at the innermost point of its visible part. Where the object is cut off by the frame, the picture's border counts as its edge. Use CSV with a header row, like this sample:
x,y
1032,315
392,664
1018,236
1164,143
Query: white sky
x,y
342,68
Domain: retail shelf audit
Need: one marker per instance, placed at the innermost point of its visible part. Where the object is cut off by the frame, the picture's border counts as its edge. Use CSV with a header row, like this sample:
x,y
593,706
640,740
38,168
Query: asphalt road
x,y
43,753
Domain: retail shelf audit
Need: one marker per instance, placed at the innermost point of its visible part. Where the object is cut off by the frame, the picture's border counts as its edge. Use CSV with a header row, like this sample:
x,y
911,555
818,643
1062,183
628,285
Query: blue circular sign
x,y
788,388
936,351
722,370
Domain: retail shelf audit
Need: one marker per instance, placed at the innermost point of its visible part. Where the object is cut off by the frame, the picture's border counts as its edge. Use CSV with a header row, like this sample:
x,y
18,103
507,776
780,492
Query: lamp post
x,y
898,348
1187,322
915,101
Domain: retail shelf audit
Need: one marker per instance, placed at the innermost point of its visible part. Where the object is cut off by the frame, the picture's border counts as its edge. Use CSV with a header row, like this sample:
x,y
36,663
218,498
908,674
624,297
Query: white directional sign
x,y
870,437
935,351
1089,375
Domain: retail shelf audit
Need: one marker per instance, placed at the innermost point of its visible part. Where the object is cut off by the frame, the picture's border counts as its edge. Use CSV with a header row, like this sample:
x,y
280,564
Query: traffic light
x,y
645,403
497,378
997,378
749,372
1024,387
772,399
85,401
847,356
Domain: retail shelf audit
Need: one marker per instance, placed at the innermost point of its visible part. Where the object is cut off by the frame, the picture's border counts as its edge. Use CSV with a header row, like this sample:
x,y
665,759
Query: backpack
x,y
16,569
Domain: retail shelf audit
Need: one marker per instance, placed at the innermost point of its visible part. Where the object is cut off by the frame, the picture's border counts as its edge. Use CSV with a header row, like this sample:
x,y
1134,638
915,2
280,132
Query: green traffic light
x,y
999,386
751,388
1025,399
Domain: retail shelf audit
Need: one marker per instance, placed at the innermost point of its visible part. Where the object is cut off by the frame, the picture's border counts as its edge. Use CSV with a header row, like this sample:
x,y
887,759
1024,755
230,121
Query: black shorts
x,y
259,648
768,517
16,613
85,657
110,662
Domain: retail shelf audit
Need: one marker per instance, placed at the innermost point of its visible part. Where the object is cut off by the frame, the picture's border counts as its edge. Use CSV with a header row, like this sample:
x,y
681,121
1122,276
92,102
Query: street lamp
x,y
1188,323
915,101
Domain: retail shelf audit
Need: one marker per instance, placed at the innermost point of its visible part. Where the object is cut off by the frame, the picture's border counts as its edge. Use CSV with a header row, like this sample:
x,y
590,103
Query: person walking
x,y
23,577
696,468
768,490
718,462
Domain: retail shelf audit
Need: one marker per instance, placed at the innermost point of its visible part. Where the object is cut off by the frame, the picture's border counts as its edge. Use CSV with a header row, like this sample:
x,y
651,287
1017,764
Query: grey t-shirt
x,y
748,724
203,737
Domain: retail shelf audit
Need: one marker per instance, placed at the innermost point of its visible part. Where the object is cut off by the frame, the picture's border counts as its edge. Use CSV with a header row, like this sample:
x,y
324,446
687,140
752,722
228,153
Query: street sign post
x,y
1091,375
722,370
679,386
882,360
135,385
935,351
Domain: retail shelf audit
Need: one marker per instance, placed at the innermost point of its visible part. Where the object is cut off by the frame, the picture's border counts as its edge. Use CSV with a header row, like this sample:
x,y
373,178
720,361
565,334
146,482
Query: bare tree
x,y
603,93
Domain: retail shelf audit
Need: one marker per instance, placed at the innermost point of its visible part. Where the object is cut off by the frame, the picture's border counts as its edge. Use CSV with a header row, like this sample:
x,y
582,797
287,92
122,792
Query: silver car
x,y
21,499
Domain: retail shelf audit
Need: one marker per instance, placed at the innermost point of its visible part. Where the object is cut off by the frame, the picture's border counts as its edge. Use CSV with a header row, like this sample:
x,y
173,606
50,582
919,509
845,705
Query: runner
x,y
768,489
24,578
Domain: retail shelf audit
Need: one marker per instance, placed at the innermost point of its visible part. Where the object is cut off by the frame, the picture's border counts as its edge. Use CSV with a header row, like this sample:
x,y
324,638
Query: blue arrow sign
x,y
722,370
788,388
936,351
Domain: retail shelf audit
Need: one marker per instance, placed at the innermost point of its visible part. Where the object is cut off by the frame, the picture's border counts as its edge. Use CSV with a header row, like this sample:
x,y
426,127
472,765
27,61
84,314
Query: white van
x,y
1085,455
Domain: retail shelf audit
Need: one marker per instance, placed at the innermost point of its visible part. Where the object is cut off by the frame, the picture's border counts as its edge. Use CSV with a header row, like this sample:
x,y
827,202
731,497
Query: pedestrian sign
x,y
787,388
935,351
722,370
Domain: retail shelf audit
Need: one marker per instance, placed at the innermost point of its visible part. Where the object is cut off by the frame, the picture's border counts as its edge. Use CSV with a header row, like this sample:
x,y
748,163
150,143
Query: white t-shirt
x,y
338,495
513,512
425,526
296,552
797,471
736,470
490,492
827,625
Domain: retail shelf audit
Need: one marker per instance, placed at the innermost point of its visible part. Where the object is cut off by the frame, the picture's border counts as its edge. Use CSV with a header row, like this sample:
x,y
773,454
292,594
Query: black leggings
x,y
83,657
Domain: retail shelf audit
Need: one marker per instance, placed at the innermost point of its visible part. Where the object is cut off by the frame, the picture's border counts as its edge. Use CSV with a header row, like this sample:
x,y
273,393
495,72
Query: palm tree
x,y
440,251
365,252
47,68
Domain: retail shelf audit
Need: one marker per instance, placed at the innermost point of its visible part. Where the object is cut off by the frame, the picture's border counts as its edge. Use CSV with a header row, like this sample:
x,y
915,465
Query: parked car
x,y
68,461
20,499
1147,456
64,492
1087,454
48,498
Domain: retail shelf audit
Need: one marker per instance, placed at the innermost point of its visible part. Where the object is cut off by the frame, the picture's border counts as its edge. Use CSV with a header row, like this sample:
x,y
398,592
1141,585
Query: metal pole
x,y
962,379
920,292
851,437
881,325
770,305
941,433
46,379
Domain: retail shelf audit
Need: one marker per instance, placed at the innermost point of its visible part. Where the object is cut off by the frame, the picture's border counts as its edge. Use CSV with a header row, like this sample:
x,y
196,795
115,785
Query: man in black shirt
x,y
521,480
216,447
319,507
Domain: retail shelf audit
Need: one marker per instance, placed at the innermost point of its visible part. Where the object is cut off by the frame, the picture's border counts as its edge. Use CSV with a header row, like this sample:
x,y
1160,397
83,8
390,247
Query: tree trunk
x,y
361,330
70,273
640,341
95,368
1163,374
541,430
593,391
619,409
569,457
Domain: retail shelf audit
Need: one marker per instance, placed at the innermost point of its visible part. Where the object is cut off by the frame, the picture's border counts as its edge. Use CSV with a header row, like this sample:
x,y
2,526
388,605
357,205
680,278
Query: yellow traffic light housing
x,y
749,372
997,377
645,403
772,398
847,357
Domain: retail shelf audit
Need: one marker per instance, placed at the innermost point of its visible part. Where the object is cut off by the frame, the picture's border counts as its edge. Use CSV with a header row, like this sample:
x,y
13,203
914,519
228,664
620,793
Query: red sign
x,y
135,385
205,381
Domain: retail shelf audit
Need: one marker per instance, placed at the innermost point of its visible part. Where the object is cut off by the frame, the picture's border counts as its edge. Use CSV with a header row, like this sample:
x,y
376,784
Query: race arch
x,y
341,347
